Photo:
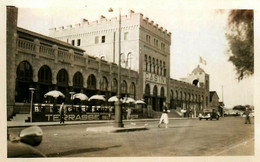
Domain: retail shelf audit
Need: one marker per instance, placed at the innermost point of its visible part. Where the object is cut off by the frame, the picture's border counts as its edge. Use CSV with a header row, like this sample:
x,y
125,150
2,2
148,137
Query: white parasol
x,y
97,97
113,99
139,102
80,96
54,94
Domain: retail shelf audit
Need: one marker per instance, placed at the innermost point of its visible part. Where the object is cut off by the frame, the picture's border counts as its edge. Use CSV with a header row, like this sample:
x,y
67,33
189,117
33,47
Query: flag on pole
x,y
202,61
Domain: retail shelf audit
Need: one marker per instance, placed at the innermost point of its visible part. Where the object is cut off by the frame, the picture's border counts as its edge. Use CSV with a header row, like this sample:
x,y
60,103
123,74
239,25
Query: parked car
x,y
209,115
22,146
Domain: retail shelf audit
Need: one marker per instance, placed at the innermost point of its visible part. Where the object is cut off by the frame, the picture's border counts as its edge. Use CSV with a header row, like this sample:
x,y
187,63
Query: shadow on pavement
x,y
79,151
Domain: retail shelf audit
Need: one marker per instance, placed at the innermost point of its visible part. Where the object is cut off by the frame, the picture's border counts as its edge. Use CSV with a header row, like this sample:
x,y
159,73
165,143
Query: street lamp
x,y
32,91
126,65
71,97
118,108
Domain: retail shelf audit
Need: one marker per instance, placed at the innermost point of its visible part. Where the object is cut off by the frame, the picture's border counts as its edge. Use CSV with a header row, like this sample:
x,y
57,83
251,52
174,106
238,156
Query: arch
x,y
62,84
147,90
44,82
171,95
103,84
114,86
78,80
62,78
132,89
176,94
24,81
45,75
24,72
124,87
195,82
91,82
155,91
162,92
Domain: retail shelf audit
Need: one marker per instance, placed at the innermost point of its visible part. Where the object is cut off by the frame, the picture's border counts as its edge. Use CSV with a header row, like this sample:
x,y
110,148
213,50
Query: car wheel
x,y
210,118
200,118
206,119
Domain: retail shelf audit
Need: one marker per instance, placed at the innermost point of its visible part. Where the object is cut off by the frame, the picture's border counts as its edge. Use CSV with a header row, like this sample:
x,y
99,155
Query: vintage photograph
x,y
110,78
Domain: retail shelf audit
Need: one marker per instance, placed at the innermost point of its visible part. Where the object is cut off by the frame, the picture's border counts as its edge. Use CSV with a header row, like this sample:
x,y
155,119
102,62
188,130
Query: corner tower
x,y
200,78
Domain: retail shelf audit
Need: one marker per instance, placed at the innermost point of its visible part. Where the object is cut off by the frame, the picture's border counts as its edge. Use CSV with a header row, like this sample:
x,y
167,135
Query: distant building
x,y
214,100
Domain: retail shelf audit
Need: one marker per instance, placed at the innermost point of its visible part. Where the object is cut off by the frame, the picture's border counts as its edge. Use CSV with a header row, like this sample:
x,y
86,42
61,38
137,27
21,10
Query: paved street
x,y
228,136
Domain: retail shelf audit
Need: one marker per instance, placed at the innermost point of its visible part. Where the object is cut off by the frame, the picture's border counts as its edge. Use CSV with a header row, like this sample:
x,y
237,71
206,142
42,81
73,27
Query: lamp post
x,y
32,91
71,97
118,108
126,65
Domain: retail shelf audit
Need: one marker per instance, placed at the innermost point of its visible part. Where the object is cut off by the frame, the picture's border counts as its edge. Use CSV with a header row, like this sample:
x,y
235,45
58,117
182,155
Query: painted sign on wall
x,y
154,78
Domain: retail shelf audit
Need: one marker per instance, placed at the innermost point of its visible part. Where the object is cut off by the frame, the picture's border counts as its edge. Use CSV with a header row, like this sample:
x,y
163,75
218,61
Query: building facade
x,y
45,63
145,47
84,59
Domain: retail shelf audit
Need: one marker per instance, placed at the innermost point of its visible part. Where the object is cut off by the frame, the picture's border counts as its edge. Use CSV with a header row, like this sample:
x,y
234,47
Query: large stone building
x,y
45,63
84,59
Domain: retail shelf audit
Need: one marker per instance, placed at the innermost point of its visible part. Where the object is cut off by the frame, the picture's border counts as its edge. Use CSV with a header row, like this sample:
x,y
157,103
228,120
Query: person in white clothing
x,y
164,118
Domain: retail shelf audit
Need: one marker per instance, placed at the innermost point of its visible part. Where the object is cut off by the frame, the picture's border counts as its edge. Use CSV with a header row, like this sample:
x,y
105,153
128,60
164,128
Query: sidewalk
x,y
12,124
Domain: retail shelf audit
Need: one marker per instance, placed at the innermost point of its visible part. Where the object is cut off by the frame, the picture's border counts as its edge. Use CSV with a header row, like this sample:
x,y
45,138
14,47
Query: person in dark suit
x,y
247,112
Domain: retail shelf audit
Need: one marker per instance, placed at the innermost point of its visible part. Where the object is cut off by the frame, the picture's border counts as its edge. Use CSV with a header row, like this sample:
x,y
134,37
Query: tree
x,y
240,38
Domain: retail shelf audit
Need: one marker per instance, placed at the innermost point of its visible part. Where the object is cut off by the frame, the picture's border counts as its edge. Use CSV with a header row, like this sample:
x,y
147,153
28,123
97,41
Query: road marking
x,y
235,146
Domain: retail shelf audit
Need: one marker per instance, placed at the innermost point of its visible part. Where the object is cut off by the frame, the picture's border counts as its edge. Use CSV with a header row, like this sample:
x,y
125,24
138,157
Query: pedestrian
x,y
164,118
129,111
247,112
62,113
110,112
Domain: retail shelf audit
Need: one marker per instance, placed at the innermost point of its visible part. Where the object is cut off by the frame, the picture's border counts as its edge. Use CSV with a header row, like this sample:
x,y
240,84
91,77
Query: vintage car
x,y
209,115
22,147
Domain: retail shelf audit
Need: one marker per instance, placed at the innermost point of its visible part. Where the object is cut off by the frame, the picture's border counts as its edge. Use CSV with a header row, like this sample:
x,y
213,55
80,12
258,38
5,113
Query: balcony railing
x,y
68,57
26,45
46,51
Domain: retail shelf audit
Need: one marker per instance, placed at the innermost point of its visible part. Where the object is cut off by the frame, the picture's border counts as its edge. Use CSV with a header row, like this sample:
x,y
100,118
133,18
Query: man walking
x,y
164,118
247,112
62,113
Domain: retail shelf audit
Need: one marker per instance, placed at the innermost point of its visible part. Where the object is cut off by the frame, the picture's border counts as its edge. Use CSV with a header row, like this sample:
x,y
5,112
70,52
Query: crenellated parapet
x,y
131,16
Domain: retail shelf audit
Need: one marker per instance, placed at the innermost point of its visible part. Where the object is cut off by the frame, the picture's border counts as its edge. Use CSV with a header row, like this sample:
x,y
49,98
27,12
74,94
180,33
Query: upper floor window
x,y
163,46
148,38
78,42
155,41
145,58
126,35
96,39
73,42
103,39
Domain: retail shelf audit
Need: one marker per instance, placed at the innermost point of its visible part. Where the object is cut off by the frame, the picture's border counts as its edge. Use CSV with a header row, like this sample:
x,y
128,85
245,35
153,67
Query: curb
x,y
19,124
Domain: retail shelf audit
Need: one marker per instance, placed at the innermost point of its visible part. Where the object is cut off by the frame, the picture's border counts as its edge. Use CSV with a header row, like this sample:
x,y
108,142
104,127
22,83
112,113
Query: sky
x,y
198,30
